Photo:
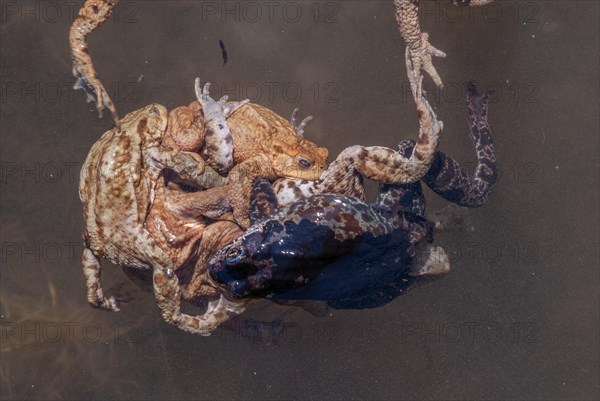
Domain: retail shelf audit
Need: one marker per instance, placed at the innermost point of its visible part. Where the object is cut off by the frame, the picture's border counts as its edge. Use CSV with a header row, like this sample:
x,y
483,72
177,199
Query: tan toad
x,y
192,242
124,175
117,184
263,144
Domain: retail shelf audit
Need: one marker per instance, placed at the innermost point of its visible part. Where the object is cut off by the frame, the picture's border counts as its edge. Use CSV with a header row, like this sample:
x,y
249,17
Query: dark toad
x,y
344,251
191,242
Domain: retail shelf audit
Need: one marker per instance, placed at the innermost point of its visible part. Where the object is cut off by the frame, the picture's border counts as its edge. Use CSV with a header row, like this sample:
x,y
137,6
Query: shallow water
x,y
517,317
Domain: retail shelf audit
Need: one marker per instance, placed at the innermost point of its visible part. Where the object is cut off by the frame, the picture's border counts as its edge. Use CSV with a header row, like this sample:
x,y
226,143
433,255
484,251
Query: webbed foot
x,y
421,59
93,14
226,108
231,107
431,261
95,92
421,50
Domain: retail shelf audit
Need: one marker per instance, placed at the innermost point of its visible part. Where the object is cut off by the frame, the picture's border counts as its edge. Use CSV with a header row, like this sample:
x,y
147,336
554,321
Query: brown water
x,y
516,319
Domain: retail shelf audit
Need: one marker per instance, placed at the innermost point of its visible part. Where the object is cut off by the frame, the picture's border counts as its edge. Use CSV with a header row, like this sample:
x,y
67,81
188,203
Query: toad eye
x,y
304,163
233,255
155,111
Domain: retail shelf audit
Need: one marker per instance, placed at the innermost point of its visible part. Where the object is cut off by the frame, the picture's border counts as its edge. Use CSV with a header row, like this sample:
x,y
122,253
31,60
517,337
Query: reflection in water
x,y
51,340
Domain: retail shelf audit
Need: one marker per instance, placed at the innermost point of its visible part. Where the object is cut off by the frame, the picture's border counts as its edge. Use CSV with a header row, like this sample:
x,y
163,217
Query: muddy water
x,y
517,317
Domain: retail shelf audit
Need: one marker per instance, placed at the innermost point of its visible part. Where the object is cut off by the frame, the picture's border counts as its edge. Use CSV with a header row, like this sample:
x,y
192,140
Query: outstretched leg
x,y
374,162
430,262
407,15
389,166
93,14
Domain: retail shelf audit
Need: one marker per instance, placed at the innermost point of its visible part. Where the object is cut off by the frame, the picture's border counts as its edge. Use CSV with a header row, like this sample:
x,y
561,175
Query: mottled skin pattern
x,y
253,136
407,15
187,234
264,145
256,140
218,151
298,244
197,239
139,214
262,151
127,167
117,184
344,251
93,14
122,188
447,178
344,175
189,240
153,232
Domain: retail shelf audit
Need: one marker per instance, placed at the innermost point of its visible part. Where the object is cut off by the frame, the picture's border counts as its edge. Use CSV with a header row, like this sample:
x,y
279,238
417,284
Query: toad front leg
x,y
421,51
218,150
234,196
188,165
241,180
93,14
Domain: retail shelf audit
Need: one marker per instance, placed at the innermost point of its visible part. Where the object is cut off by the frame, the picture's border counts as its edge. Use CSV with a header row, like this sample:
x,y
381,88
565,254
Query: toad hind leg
x,y
421,51
188,165
93,14
91,272
447,178
388,166
168,298
378,163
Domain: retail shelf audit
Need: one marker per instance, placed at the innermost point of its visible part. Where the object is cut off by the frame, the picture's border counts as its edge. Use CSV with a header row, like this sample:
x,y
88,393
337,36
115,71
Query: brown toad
x,y
124,172
193,241
264,145
117,185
